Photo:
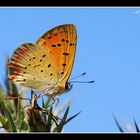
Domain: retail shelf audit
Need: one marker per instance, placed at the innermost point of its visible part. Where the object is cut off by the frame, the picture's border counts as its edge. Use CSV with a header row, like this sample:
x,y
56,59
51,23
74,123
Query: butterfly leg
x,y
34,105
14,98
55,100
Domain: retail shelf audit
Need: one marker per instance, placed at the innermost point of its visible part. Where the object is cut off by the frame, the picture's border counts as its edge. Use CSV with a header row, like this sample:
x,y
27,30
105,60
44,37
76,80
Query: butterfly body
x,y
46,65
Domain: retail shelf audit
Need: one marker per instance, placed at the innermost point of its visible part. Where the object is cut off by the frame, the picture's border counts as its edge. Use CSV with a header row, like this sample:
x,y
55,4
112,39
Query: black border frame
x,y
69,3
56,3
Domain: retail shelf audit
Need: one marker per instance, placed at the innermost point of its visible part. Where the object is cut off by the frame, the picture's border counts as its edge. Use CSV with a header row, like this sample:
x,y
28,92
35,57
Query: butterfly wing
x,y
45,66
60,43
31,67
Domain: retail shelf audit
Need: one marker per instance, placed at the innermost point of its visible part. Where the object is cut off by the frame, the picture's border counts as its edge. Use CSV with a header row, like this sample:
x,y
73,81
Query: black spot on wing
x,y
63,40
53,45
62,73
58,44
65,53
49,37
49,65
64,64
44,55
67,41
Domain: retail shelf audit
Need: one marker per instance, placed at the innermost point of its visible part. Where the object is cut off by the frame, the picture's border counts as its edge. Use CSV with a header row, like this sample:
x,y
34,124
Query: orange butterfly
x,y
46,65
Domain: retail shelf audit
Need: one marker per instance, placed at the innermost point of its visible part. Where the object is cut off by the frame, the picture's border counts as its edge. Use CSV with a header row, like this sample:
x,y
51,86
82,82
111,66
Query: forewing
x,y
60,43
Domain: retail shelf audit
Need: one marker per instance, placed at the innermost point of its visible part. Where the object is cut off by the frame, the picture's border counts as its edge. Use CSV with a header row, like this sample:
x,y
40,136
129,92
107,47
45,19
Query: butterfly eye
x,y
68,86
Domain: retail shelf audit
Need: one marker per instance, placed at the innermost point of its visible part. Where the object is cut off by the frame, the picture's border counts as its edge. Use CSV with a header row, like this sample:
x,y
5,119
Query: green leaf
x,y
15,94
43,115
3,121
49,119
1,108
47,103
69,119
1,91
62,123
7,114
43,104
117,123
24,126
137,128
19,113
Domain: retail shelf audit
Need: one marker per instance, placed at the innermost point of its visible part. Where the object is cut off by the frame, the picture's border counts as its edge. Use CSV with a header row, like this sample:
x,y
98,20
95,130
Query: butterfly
x,y
46,65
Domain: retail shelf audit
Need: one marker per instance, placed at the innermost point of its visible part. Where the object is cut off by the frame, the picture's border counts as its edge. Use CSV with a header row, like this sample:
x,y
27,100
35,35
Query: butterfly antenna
x,y
82,81
78,76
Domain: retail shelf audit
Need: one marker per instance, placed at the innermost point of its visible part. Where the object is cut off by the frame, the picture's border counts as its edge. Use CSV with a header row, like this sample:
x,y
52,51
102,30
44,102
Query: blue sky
x,y
108,50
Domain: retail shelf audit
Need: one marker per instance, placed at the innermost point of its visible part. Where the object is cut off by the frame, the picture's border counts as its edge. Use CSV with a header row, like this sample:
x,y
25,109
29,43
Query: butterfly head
x,y
68,86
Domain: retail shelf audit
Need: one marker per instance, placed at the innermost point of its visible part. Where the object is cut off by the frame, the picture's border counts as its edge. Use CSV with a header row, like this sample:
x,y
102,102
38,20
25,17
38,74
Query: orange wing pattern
x,y
60,43
31,67
47,64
